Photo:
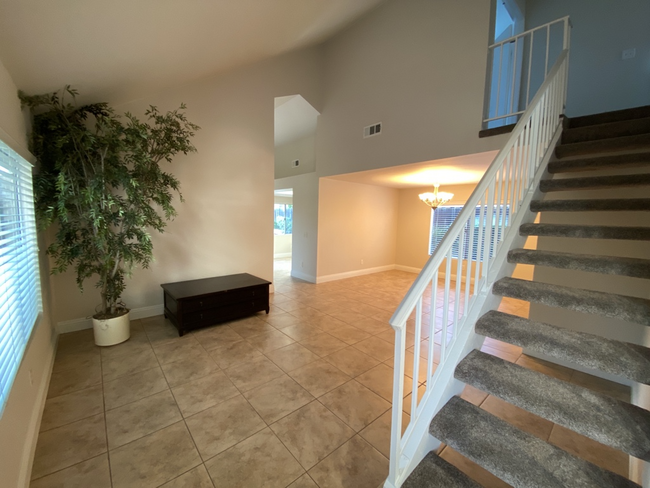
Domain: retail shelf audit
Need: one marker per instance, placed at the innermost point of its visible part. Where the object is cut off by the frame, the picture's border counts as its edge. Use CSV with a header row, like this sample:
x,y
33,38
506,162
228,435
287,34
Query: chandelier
x,y
435,199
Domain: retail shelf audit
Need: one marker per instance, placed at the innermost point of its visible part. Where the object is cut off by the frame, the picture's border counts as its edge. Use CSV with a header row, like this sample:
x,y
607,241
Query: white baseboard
x,y
87,322
303,276
352,274
410,269
282,255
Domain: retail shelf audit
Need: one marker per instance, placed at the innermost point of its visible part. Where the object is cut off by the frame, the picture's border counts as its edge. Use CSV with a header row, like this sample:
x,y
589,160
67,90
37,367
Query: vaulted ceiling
x,y
123,49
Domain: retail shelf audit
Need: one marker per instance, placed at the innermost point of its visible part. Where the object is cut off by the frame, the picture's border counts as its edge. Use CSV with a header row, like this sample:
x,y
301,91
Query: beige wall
x,y
602,29
21,418
225,225
418,67
357,227
303,149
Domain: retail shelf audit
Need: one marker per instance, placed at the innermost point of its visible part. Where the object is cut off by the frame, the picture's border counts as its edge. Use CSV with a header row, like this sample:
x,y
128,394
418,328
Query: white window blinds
x,y
20,289
443,217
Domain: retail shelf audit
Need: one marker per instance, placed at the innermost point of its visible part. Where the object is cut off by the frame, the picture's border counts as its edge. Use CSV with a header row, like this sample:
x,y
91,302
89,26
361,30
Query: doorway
x,y
282,230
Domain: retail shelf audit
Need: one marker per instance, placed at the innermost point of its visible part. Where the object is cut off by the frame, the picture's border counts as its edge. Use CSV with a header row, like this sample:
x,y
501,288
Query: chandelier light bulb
x,y
435,199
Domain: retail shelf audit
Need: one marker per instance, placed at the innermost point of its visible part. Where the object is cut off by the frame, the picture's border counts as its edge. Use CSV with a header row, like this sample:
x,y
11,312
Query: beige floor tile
x,y
282,320
355,404
250,327
129,388
203,393
93,473
195,478
68,381
154,459
351,361
319,377
473,470
216,336
159,330
134,420
233,353
179,350
327,323
81,340
546,367
408,398
312,433
348,334
408,366
78,405
594,383
137,344
261,460
389,336
380,380
251,374
378,432
82,359
186,370
323,344
604,456
68,445
304,481
518,417
377,348
292,357
114,367
372,326
278,398
356,463
302,332
217,428
269,341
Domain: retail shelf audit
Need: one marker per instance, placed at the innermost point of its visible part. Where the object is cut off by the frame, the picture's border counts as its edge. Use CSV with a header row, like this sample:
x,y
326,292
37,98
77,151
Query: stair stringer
x,y
417,442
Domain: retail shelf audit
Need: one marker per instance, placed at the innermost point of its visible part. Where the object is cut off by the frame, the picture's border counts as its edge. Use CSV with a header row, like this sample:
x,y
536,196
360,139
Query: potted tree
x,y
100,181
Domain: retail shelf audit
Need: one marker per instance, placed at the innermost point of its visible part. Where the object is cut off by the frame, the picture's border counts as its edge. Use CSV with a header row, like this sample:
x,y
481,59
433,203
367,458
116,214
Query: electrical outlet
x,y
302,264
362,261
628,53
295,163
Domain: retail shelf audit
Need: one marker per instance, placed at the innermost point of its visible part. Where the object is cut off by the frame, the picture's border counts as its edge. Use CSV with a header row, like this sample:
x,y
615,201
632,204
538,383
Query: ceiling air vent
x,y
372,130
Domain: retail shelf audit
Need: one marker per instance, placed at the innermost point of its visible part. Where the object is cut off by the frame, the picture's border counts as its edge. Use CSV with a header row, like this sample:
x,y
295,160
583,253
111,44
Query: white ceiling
x,y
123,49
294,118
460,170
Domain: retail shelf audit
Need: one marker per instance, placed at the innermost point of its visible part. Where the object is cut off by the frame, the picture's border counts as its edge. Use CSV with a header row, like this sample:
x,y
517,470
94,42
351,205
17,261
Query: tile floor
x,y
297,398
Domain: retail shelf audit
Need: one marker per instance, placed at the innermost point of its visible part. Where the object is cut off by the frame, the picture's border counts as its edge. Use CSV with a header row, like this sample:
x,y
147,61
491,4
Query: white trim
x,y
87,322
282,255
37,415
352,274
410,269
303,276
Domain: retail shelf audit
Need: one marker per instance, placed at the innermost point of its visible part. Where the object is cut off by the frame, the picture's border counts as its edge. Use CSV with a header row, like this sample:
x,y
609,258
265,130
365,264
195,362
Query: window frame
x,y
497,215
21,303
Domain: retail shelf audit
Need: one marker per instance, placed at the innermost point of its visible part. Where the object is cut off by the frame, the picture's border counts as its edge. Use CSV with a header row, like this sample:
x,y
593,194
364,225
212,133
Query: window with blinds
x,y
20,289
443,217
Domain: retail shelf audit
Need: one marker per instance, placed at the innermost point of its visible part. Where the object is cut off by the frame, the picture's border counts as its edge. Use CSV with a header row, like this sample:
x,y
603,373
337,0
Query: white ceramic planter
x,y
109,332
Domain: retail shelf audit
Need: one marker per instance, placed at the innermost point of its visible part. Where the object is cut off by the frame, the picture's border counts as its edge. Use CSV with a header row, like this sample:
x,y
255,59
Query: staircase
x,y
599,158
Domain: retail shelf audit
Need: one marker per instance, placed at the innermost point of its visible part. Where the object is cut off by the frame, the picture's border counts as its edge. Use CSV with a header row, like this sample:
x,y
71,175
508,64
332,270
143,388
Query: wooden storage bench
x,y
199,303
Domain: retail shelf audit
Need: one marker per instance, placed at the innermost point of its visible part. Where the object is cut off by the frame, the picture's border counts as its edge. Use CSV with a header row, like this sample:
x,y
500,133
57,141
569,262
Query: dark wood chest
x,y
199,303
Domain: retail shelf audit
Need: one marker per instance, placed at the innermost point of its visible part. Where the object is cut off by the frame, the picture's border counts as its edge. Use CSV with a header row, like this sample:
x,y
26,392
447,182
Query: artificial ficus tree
x,y
99,179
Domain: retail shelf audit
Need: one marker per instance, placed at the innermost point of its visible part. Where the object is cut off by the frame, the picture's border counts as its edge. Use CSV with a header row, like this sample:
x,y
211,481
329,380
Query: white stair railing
x,y
517,66
475,246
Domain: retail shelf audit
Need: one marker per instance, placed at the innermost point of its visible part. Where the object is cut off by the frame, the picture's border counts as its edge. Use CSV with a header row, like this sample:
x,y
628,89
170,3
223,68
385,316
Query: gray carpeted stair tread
x,y
435,472
605,204
609,117
602,418
627,143
621,307
614,265
594,182
599,162
586,231
591,351
620,128
518,458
